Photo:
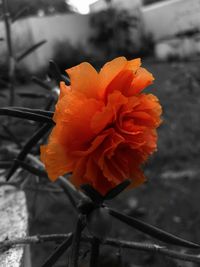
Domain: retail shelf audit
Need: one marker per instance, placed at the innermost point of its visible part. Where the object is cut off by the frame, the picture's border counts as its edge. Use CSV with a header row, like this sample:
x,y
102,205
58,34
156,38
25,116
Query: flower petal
x,y
54,158
133,64
137,177
84,79
96,177
75,115
64,89
109,113
121,82
142,79
110,70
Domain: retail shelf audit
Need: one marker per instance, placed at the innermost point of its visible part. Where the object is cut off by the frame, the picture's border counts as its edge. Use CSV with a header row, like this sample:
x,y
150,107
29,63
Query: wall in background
x,y
73,28
163,20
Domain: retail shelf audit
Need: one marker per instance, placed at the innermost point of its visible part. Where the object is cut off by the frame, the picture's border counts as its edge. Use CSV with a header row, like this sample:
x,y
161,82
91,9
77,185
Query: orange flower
x,y
105,127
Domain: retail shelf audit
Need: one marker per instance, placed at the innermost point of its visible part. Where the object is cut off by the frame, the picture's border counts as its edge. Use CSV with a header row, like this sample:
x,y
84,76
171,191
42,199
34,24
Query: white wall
x,y
26,32
165,19
55,29
127,4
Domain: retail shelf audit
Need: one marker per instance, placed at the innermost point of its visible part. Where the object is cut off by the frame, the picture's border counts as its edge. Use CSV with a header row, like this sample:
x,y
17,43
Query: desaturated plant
x,y
100,149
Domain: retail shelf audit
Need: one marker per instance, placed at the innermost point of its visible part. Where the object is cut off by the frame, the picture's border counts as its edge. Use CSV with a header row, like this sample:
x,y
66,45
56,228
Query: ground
x,y
170,199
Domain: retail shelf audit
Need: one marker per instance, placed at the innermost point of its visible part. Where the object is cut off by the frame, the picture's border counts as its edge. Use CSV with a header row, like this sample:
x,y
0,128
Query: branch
x,y
94,257
11,59
27,147
152,230
25,115
154,248
37,239
53,258
73,260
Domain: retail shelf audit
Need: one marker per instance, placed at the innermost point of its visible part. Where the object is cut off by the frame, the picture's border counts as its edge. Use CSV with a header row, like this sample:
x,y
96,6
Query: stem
x,y
25,115
11,59
27,147
152,230
140,246
73,261
94,252
70,195
53,258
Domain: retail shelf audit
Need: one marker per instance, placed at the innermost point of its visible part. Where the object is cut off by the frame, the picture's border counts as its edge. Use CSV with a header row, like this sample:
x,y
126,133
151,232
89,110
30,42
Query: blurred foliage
x,y
36,7
114,31
67,55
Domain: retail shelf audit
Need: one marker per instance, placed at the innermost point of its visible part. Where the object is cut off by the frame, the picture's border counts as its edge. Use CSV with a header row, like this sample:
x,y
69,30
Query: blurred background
x,y
166,35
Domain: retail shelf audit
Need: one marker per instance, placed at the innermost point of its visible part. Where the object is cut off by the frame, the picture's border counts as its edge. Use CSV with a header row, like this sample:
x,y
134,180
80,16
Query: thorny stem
x,y
73,260
94,252
11,58
152,230
153,248
52,259
28,146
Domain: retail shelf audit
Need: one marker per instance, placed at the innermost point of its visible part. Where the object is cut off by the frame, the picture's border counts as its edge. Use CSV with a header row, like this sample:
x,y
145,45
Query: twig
x,y
45,190
36,239
9,183
152,230
70,197
94,252
27,147
33,170
154,248
73,260
53,258
11,58
25,115
35,111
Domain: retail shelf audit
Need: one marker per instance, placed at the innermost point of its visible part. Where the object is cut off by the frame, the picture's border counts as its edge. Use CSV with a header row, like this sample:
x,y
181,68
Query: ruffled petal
x,y
133,64
110,70
142,79
121,83
54,158
64,90
84,79
96,178
137,177
75,115
108,113
78,175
